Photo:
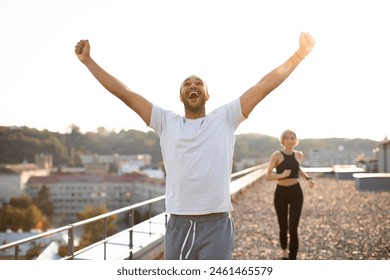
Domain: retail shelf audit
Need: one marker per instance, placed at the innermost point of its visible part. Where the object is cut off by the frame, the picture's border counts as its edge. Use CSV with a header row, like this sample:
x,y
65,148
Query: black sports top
x,y
289,162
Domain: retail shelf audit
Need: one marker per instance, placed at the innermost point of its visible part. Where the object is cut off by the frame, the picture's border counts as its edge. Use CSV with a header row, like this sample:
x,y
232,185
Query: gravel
x,y
338,222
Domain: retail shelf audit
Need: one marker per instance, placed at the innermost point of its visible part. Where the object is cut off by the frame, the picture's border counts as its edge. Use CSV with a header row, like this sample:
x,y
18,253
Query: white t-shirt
x,y
198,158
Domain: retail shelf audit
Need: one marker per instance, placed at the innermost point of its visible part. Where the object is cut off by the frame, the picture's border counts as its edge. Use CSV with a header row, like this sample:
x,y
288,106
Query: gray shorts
x,y
209,237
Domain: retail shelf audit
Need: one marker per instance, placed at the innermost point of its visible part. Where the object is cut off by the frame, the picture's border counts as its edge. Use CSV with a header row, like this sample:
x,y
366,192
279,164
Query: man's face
x,y
193,94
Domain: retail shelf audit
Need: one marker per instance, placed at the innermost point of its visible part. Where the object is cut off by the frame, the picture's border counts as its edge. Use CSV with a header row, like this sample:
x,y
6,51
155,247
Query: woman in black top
x,y
288,199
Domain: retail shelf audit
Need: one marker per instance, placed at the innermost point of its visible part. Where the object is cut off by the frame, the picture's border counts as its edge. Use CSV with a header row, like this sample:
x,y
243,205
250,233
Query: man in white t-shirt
x,y
197,150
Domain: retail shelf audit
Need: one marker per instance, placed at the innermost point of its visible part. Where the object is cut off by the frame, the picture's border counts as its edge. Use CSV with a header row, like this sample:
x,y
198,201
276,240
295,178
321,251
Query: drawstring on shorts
x,y
185,240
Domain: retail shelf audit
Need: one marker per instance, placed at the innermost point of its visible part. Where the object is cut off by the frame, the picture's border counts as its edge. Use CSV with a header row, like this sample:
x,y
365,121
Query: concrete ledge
x,y
151,251
346,172
372,181
327,172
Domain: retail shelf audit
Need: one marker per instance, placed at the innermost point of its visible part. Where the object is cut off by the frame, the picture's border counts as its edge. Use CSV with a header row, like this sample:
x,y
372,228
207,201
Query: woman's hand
x,y
285,173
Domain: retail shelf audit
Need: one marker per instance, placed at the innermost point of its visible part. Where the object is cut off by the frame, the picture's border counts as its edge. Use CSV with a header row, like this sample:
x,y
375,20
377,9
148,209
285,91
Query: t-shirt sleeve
x,y
234,113
157,119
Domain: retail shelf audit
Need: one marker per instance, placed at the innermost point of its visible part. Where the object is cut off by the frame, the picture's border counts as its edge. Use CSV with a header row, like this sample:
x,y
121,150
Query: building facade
x,y
70,194
384,156
13,179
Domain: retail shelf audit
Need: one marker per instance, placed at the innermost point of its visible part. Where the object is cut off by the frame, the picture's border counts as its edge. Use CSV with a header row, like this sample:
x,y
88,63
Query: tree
x,y
44,203
94,232
20,214
31,217
22,143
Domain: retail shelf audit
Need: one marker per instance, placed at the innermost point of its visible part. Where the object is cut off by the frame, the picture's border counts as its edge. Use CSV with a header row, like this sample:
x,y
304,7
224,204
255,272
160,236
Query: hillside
x,y
18,144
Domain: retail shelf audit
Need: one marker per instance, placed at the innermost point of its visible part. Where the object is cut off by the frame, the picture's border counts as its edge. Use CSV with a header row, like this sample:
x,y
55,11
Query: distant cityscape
x,y
120,180
132,179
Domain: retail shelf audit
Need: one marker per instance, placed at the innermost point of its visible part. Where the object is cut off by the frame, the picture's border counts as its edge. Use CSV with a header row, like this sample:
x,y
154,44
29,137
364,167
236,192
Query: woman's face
x,y
289,140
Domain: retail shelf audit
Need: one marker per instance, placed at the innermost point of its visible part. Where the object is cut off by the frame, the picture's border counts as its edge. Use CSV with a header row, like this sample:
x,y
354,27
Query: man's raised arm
x,y
273,79
135,101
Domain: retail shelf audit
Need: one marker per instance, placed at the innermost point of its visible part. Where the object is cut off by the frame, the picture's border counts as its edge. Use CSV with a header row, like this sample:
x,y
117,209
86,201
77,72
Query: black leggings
x,y
285,196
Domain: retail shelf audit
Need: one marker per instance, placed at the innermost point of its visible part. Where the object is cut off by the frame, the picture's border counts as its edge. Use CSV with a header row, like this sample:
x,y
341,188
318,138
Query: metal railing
x,y
71,230
129,210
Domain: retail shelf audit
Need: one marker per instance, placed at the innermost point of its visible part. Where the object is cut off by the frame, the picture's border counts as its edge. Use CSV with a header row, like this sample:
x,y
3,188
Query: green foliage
x,y
31,218
261,146
94,232
22,143
19,214
44,203
255,146
17,144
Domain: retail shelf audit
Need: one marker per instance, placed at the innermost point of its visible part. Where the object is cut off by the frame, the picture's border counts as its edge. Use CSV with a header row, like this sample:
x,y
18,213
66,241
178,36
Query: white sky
x,y
340,90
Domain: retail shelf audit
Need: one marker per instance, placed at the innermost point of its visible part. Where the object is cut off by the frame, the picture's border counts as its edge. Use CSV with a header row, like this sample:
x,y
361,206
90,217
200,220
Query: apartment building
x,y
13,178
70,194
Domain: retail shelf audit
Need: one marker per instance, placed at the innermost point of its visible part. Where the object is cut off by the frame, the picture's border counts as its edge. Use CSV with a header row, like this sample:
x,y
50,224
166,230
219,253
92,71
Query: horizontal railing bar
x,y
248,170
35,237
77,224
119,211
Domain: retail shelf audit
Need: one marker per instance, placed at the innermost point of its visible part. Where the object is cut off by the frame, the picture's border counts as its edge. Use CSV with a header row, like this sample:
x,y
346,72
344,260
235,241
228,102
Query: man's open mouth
x,y
193,94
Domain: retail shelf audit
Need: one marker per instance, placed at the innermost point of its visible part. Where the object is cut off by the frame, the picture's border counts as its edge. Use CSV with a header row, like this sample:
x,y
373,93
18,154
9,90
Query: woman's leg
x,y
295,215
281,208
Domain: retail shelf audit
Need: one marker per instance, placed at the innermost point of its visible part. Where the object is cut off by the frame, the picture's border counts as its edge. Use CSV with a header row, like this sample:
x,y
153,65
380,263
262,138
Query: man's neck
x,y
195,115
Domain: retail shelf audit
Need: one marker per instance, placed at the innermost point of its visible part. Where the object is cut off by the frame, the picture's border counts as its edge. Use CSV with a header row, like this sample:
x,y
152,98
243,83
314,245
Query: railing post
x,y
150,204
105,237
16,252
71,242
150,214
131,223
